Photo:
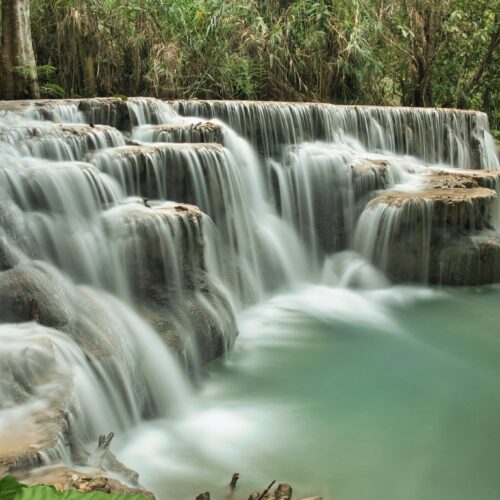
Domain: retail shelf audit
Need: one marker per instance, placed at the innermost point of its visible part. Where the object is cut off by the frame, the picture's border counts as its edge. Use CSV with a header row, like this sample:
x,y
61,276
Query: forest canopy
x,y
412,52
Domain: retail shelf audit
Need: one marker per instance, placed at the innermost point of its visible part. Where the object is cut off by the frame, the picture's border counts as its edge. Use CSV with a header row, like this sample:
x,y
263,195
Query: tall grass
x,y
431,52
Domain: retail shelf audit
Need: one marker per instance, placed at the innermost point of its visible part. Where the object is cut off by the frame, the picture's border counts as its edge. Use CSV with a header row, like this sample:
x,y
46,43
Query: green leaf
x,y
50,493
9,487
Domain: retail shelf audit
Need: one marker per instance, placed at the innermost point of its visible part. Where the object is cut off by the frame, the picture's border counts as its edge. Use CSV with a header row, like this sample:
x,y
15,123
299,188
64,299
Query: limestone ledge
x,y
183,132
165,170
442,233
458,178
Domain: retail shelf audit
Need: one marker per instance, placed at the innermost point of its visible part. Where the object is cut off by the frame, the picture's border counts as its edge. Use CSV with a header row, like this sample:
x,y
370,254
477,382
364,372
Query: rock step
x,y
191,173
111,111
436,235
75,188
428,133
60,141
199,132
164,248
327,196
458,178
450,209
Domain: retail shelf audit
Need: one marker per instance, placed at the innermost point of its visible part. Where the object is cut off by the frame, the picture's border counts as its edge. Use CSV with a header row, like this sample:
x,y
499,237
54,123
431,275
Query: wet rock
x,y
327,192
8,257
467,261
40,188
22,284
456,209
429,235
107,111
164,248
203,496
201,132
429,133
59,141
111,111
167,171
465,179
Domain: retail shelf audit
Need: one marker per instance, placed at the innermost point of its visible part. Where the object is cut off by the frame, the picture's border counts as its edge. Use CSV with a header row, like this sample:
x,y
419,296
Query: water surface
x,y
390,394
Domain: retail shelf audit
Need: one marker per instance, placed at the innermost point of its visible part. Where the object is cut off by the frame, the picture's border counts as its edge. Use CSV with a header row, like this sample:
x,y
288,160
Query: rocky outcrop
x,y
56,141
473,260
166,171
199,132
467,179
163,245
323,193
441,233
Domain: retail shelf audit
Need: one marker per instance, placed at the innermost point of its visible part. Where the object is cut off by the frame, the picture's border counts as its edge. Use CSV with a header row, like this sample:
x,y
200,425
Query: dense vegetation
x,y
411,52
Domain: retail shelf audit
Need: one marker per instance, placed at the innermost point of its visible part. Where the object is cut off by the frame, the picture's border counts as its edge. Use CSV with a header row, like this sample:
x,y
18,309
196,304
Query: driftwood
x,y
266,491
102,448
282,492
234,480
232,486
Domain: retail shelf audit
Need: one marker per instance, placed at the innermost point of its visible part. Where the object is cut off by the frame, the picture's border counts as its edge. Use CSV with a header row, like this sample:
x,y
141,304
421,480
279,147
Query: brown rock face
x,y
168,171
163,245
201,132
467,179
438,234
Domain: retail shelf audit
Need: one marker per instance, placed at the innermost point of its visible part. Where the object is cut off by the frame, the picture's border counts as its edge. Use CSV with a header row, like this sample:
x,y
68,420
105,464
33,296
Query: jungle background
x,y
414,52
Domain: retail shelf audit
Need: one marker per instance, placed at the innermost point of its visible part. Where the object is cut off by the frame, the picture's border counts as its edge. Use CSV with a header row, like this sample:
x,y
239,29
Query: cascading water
x,y
134,229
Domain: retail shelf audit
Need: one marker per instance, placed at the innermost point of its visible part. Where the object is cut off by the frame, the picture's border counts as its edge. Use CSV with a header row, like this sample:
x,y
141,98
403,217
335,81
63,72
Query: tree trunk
x,y
18,79
87,71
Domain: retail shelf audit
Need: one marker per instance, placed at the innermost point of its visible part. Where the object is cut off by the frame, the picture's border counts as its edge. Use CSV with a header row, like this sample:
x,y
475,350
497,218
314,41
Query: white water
x,y
282,211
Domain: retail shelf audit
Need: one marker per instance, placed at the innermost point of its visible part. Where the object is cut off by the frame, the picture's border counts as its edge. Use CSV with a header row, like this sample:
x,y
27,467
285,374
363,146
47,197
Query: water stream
x,y
138,238
383,394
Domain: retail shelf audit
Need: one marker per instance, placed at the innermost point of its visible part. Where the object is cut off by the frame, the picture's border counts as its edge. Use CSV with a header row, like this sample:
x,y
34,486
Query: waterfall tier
x,y
132,229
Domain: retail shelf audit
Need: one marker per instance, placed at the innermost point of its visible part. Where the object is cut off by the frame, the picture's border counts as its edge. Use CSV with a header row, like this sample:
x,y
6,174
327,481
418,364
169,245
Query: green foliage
x,y
416,52
11,489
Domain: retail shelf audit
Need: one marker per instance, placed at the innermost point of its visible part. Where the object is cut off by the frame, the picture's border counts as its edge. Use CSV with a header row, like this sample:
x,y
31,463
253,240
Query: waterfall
x,y
131,230
434,135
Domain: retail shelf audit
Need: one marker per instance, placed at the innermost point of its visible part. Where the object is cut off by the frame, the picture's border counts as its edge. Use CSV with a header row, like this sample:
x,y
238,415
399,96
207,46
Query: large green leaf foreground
x,y
11,489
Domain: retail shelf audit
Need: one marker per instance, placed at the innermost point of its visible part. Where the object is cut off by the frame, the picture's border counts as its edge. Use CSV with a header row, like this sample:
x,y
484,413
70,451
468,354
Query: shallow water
x,y
390,394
